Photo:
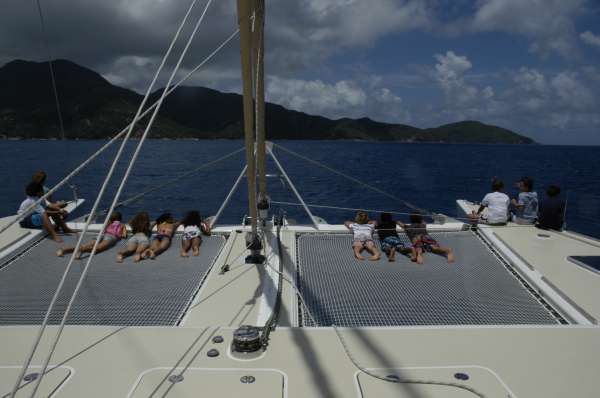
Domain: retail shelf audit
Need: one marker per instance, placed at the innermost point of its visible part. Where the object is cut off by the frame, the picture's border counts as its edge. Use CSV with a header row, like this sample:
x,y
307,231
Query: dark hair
x,y
497,185
140,223
416,218
553,190
34,189
527,183
39,177
386,217
165,217
115,216
192,218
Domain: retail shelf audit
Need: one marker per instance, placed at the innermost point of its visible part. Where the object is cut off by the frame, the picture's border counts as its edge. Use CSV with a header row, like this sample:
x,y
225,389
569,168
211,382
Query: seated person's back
x,y
551,210
497,204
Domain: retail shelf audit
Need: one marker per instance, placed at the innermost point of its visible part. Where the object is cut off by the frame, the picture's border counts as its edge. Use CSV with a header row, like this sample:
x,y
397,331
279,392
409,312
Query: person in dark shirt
x,y
551,210
388,237
422,242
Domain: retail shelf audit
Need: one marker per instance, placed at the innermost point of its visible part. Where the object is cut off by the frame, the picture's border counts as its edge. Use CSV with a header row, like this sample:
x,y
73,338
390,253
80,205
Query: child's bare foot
x,y
152,255
57,239
196,252
119,258
375,257
78,255
413,259
419,259
184,254
359,257
137,258
450,257
60,253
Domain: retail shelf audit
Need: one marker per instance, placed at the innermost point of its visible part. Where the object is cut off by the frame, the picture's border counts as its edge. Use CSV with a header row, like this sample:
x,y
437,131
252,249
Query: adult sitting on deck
x,y
552,210
526,207
41,215
496,203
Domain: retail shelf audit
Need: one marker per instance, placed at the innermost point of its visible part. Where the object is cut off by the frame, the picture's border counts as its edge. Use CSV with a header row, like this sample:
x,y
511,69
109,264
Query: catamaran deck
x,y
535,360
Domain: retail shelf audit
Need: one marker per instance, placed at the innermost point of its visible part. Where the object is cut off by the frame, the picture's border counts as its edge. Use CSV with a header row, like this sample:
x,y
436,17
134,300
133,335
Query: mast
x,y
244,13
259,57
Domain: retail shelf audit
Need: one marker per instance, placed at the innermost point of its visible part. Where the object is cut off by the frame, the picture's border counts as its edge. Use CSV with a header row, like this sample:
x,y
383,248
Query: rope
x,y
86,225
353,359
324,166
229,195
340,208
52,78
132,199
115,138
127,173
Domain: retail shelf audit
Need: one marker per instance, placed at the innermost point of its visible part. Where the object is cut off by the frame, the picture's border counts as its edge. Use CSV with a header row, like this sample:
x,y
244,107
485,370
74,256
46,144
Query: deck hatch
x,y
591,263
476,290
150,293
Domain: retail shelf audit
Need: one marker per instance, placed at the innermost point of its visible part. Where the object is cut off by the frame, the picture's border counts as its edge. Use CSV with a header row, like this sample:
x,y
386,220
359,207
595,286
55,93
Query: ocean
x,y
430,176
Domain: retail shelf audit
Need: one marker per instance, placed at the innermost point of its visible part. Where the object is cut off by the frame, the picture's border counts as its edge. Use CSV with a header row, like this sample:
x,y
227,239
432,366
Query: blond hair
x,y
361,218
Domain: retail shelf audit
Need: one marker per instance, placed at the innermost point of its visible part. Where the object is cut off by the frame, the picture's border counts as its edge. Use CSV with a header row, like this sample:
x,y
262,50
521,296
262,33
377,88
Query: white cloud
x,y
549,24
345,98
450,74
590,38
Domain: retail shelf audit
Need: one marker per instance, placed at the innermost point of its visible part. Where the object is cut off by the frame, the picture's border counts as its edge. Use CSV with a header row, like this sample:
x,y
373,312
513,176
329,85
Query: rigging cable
x,y
52,78
115,138
126,175
356,180
100,194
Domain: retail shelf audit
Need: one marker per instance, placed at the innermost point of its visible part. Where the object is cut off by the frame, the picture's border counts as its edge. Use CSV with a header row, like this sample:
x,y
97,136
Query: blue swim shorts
x,y
390,242
33,220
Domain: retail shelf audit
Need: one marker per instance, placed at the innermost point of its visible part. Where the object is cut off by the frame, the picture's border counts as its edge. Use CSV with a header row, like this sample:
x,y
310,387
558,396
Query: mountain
x,y
92,107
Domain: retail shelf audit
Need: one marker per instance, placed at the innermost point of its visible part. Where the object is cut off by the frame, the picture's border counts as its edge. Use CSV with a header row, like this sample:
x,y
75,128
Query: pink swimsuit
x,y
114,229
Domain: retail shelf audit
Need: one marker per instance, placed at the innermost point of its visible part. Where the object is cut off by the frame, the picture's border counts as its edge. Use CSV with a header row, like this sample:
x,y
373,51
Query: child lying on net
x,y
114,231
421,241
140,241
362,230
193,228
388,236
161,241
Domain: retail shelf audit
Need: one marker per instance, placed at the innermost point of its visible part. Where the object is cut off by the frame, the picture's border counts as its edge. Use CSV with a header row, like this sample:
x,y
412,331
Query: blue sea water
x,y
431,176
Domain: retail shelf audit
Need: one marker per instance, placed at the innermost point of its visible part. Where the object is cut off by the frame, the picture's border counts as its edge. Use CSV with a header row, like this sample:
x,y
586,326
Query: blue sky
x,y
529,65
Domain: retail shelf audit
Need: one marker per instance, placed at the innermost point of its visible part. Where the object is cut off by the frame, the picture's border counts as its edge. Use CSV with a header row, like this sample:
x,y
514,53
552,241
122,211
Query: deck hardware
x,y
213,352
392,377
248,379
254,243
543,236
217,339
224,269
461,376
246,339
176,378
31,377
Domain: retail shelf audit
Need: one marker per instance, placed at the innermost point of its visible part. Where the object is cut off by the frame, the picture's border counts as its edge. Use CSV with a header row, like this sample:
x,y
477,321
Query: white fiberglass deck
x,y
477,289
149,293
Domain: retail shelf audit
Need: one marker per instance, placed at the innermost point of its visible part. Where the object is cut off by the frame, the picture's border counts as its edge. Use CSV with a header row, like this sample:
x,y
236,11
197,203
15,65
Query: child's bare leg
x,y
185,247
141,248
446,251
149,252
413,254
131,248
65,250
196,246
375,254
60,223
162,246
392,254
419,255
103,246
48,227
357,247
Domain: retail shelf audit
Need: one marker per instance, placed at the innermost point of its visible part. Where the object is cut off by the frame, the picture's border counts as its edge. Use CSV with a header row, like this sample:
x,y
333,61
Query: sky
x,y
532,66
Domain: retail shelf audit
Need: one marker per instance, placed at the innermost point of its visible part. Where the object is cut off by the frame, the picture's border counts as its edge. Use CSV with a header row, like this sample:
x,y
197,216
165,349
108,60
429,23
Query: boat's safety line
x,y
28,247
115,199
475,290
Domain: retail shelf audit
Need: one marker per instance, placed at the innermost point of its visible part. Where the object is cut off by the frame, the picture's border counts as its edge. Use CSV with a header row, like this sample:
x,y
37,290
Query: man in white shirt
x,y
497,203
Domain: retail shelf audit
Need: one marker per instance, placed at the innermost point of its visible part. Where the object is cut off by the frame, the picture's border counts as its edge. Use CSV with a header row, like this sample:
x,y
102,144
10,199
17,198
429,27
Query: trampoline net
x,y
475,290
149,293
